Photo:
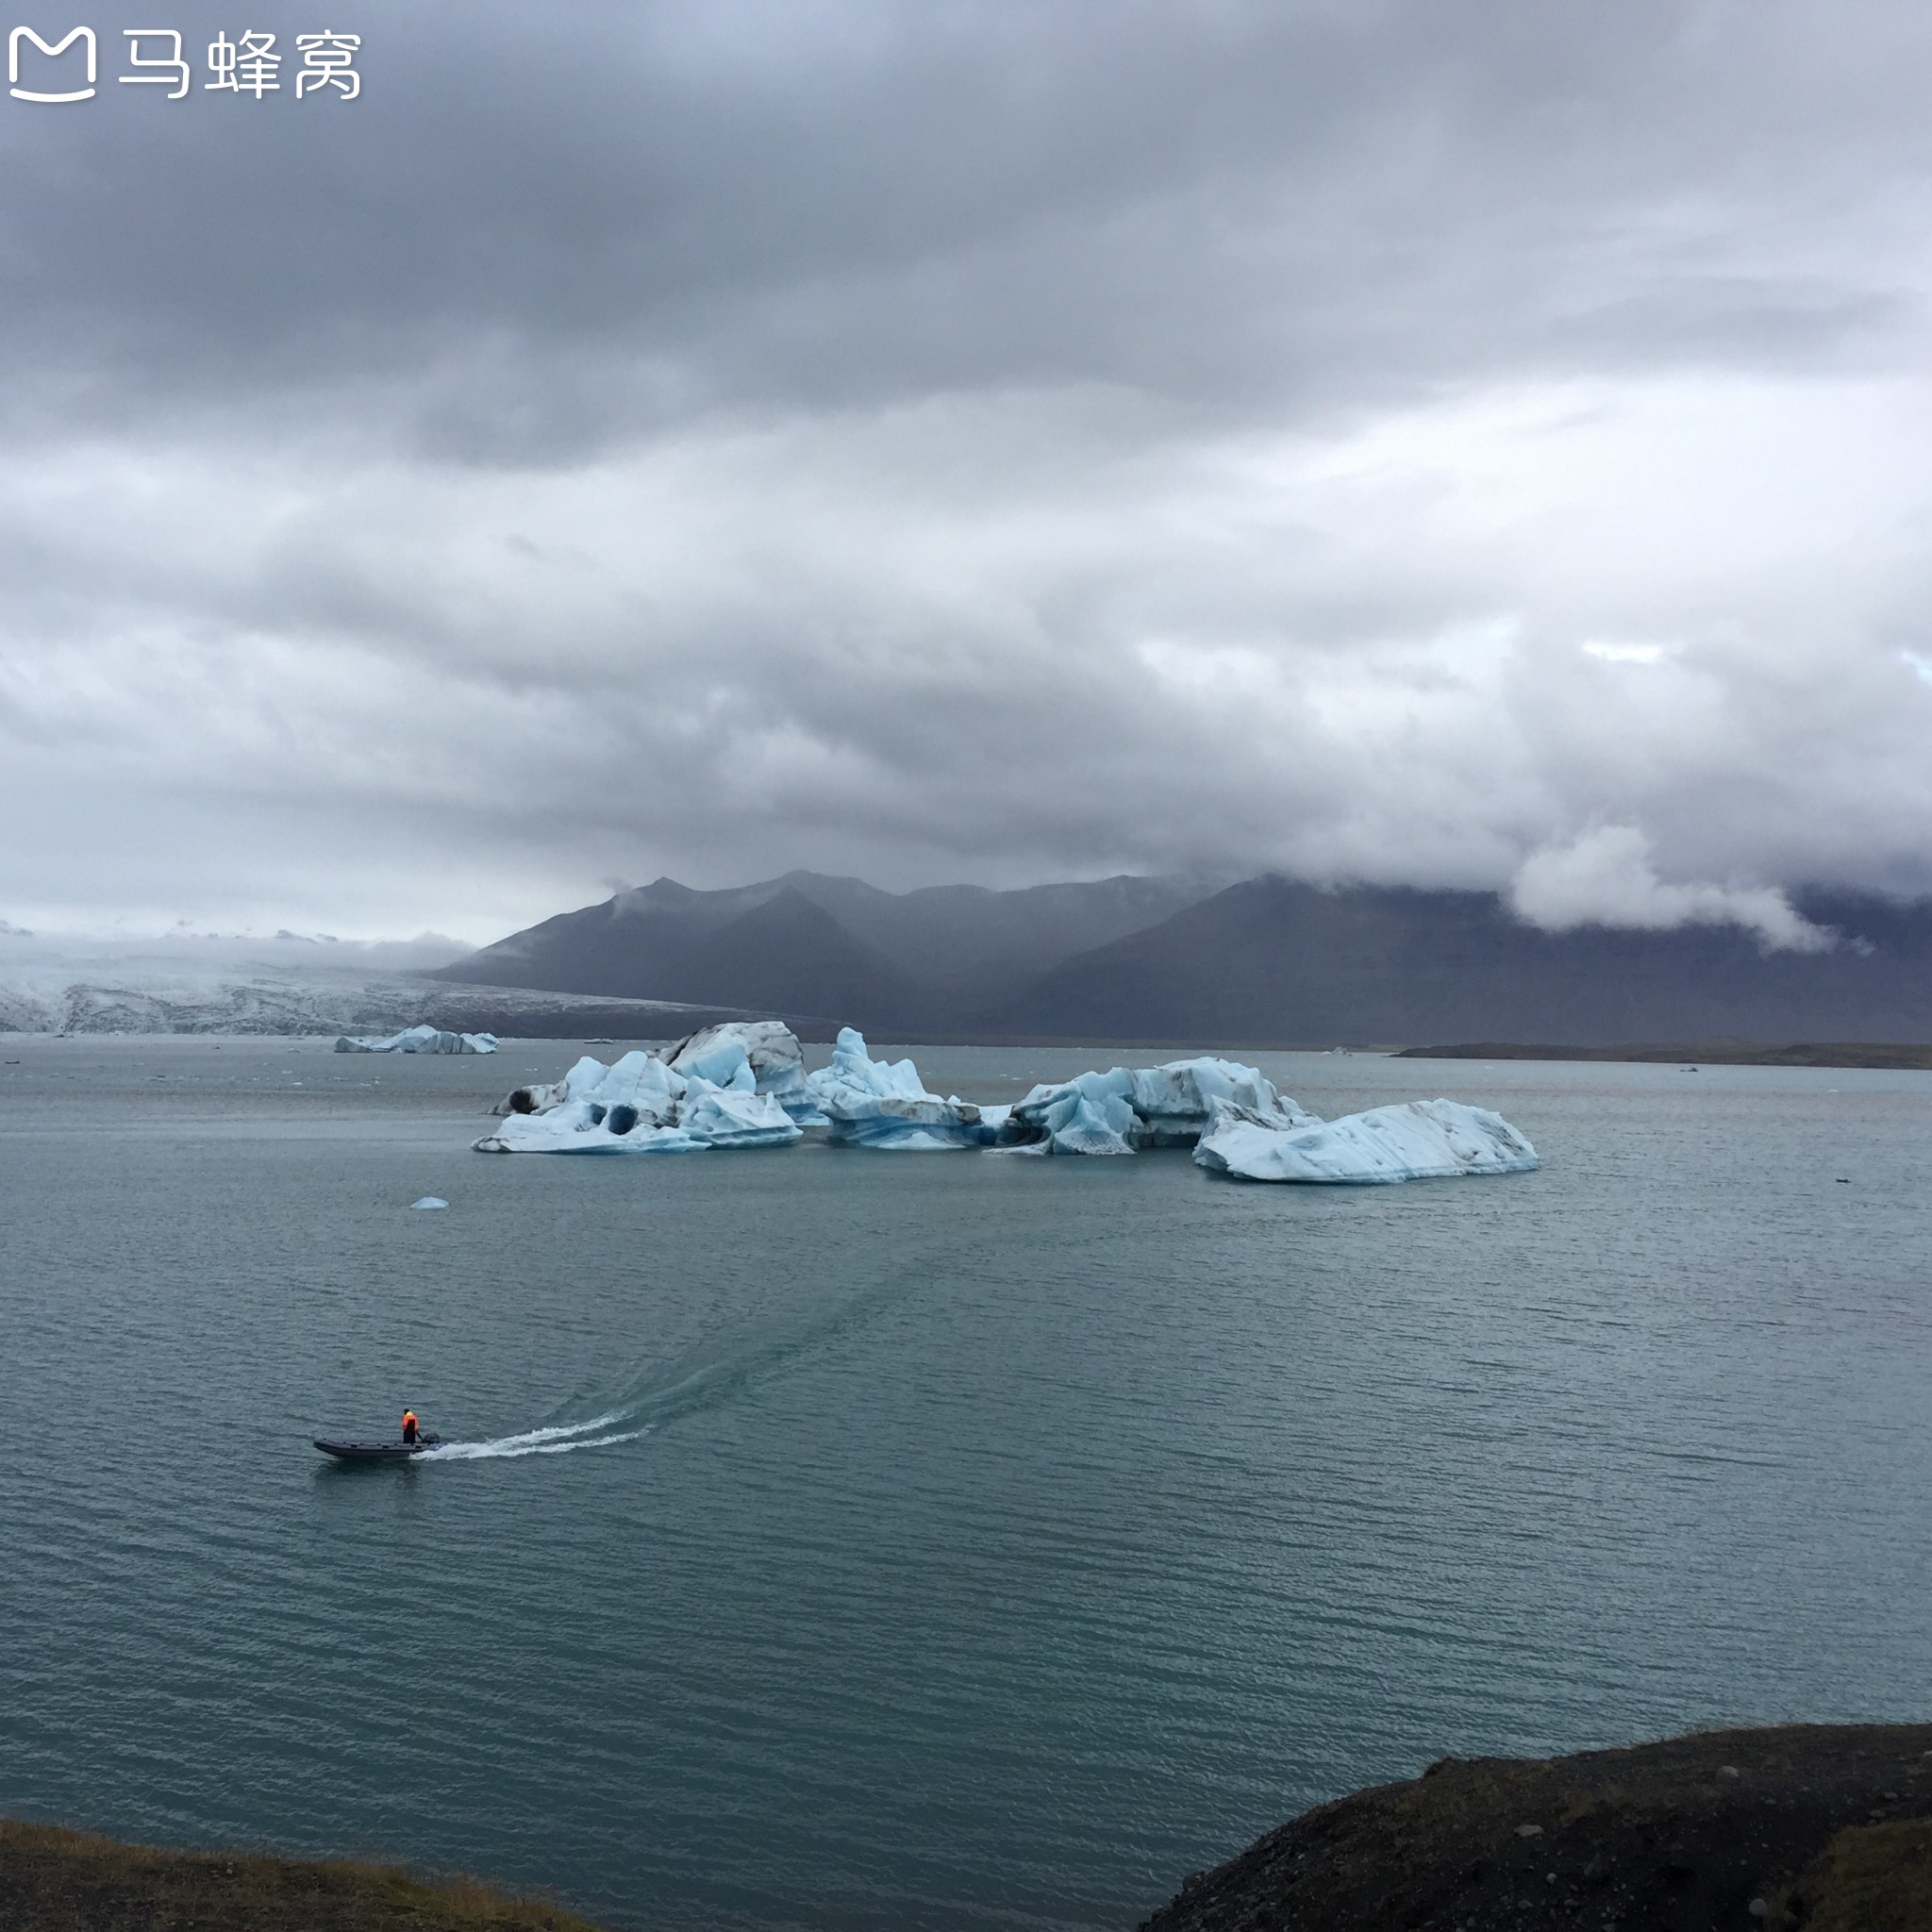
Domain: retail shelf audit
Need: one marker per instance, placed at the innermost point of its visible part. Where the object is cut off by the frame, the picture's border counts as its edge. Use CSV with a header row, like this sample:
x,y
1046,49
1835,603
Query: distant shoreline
x,y
1713,1052
1884,1056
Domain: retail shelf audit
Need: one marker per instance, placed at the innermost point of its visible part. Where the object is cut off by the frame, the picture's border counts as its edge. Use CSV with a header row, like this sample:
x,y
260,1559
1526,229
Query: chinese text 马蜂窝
x,y
250,65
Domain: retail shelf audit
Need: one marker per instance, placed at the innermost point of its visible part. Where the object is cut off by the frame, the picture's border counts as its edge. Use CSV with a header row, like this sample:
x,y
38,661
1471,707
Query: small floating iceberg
x,y
873,1102
420,1039
1417,1139
431,1201
703,1092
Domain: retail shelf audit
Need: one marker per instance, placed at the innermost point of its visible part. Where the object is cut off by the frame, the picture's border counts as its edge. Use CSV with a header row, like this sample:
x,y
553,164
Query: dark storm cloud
x,y
776,205
971,441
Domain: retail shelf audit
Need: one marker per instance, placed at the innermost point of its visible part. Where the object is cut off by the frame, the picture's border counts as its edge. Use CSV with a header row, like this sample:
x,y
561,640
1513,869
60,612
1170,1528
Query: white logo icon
x,y
22,94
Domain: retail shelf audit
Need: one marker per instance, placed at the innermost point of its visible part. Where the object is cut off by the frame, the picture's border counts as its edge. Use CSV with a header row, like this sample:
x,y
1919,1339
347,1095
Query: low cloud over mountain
x,y
1268,961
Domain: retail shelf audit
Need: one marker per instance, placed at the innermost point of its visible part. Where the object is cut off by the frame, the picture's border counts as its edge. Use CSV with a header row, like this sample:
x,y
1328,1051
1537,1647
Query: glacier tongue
x,y
1417,1139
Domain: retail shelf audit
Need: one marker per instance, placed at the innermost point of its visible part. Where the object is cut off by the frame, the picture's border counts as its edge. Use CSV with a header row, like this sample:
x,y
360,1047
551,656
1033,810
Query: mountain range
x,y
1262,961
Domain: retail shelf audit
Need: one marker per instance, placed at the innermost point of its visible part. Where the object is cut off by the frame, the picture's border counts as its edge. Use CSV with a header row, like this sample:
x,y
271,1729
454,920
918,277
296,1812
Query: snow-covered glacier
x,y
1416,1139
198,983
733,1085
420,1039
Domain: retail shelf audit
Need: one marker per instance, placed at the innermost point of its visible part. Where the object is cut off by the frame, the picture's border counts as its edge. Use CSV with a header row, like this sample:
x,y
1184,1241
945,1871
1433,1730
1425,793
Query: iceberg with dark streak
x,y
725,1086
1130,1108
769,1048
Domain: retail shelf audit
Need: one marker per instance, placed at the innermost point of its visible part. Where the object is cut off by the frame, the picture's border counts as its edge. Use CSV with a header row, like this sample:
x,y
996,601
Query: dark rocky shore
x,y
1823,1827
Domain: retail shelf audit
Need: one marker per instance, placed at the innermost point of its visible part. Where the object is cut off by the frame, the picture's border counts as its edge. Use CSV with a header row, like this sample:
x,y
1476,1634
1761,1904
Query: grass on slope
x,y
1869,1878
54,1880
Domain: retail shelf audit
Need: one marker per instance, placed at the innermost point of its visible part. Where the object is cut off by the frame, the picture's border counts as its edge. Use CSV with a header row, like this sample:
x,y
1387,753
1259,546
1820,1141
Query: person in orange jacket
x,y
409,1427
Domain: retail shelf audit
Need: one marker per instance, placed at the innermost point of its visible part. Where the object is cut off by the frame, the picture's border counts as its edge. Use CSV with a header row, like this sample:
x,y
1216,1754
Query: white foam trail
x,y
711,1381
510,1446
556,1440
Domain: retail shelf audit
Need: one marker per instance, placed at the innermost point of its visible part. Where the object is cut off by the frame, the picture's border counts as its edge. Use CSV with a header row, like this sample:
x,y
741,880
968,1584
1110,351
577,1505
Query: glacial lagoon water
x,y
869,1540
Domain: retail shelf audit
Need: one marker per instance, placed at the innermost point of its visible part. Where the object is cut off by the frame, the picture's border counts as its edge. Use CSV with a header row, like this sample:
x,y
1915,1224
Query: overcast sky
x,y
1466,442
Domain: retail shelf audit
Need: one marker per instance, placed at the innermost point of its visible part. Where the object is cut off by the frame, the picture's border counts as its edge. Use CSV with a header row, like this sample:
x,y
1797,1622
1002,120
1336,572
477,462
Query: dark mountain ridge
x,y
1268,961
777,947
806,943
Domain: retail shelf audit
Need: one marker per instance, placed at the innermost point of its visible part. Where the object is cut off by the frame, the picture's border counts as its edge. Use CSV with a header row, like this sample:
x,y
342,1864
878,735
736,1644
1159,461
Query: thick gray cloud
x,y
1446,442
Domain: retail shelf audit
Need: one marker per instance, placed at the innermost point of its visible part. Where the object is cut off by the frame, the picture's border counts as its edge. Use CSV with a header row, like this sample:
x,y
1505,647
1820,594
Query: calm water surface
x,y
968,1541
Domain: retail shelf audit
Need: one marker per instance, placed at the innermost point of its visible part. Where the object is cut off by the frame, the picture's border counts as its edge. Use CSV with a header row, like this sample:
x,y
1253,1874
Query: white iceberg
x,y
420,1039
1129,1107
1090,1115
724,1117
645,1103
742,1084
1417,1140
884,1103
584,1127
768,1048
430,1200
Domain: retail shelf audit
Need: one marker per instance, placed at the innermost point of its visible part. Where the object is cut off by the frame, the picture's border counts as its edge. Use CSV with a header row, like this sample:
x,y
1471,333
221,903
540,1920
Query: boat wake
x,y
660,1400
600,1432
701,1380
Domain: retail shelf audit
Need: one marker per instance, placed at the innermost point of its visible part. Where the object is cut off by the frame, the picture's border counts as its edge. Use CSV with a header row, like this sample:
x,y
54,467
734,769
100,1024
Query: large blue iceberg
x,y
737,1085
743,1084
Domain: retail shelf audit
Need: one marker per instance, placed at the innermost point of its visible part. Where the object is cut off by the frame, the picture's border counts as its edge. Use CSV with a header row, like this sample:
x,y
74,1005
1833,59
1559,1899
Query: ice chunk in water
x,y
420,1039
1168,1106
1417,1140
884,1103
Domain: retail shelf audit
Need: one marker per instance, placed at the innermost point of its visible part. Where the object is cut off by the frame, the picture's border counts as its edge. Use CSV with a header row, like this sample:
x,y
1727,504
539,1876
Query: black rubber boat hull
x,y
373,1452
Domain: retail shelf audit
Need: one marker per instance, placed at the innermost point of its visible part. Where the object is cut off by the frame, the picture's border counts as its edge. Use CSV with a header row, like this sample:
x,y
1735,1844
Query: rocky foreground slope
x,y
1823,1827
